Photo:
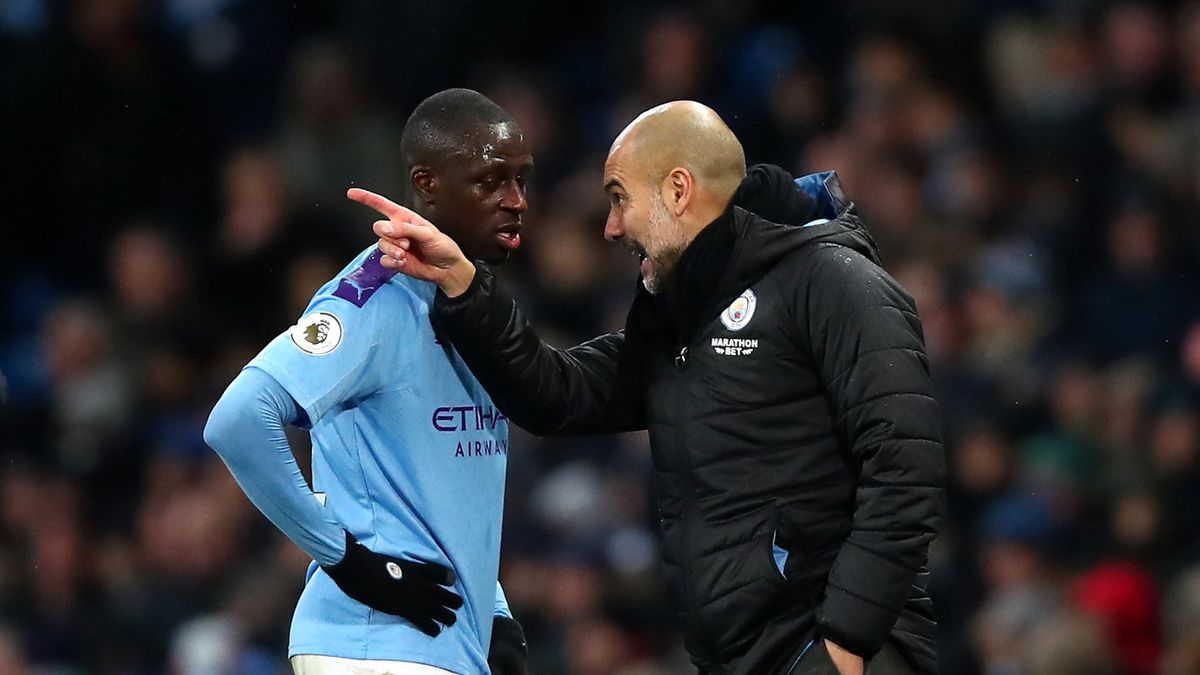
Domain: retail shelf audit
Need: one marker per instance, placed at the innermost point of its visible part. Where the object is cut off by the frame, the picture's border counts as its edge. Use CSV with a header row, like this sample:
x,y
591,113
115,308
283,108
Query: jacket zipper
x,y
685,536
681,449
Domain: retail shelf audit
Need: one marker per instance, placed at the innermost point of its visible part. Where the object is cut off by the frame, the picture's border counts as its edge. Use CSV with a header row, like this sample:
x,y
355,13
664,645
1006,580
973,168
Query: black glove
x,y
507,655
409,589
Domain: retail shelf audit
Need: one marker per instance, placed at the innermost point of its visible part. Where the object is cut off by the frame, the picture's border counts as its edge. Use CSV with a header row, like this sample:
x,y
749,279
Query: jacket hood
x,y
774,222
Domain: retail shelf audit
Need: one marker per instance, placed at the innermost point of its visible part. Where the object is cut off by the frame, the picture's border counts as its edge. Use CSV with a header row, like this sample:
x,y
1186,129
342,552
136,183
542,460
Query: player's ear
x,y
424,183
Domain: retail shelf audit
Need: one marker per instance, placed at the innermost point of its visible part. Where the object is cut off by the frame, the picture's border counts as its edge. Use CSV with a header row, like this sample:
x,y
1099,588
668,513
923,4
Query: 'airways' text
x,y
489,448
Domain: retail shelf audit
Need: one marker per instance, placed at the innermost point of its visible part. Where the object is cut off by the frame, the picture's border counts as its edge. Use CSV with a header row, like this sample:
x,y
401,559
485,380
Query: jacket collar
x,y
769,216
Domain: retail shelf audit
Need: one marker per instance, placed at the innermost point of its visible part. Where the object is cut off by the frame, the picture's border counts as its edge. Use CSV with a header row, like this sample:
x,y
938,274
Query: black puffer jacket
x,y
783,380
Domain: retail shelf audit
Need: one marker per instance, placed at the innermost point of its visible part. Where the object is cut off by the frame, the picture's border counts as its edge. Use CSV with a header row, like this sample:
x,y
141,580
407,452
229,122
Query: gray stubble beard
x,y
661,222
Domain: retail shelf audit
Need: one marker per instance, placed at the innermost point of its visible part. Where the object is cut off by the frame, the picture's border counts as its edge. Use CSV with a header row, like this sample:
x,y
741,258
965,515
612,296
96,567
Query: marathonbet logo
x,y
734,346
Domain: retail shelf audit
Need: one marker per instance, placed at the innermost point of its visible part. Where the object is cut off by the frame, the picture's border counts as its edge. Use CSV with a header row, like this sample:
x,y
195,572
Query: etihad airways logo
x,y
467,418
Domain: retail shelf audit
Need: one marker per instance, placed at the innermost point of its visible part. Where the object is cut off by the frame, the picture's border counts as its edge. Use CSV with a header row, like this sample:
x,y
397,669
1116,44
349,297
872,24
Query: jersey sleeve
x,y
501,606
332,357
246,430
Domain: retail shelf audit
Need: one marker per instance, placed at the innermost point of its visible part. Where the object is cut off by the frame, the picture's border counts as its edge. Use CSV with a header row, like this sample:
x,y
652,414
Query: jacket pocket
x,y
739,587
779,555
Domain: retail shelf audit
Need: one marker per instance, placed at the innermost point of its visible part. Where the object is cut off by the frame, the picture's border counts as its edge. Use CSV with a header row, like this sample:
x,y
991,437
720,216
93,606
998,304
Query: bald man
x,y
782,376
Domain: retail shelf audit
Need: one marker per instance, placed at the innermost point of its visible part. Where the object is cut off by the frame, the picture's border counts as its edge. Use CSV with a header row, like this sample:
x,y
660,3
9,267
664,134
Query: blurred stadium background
x,y
172,195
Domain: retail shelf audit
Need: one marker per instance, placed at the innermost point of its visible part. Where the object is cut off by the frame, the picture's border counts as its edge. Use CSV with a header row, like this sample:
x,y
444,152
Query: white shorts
x,y
311,664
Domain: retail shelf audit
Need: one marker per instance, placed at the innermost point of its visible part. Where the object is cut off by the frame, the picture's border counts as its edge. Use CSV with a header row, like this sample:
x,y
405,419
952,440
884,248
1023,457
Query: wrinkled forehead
x,y
617,165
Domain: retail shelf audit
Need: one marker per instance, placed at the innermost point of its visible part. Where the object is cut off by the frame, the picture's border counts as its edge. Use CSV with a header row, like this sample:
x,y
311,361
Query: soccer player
x,y
409,453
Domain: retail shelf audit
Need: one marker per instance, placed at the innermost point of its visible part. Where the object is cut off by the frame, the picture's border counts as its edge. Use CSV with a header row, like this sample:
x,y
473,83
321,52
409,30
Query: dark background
x,y
172,194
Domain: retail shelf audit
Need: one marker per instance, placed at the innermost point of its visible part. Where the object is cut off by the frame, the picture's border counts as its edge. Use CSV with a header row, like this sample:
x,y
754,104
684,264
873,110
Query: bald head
x,y
670,174
689,135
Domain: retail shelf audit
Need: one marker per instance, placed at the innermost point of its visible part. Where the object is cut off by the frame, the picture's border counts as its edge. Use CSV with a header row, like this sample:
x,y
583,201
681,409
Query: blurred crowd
x,y
174,173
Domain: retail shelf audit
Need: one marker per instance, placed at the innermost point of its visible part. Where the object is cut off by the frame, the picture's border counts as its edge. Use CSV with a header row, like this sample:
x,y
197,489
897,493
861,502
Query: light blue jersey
x,y
409,456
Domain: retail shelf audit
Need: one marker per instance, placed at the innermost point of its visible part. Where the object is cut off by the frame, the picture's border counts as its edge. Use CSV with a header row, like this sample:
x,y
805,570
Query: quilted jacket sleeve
x,y
867,345
585,389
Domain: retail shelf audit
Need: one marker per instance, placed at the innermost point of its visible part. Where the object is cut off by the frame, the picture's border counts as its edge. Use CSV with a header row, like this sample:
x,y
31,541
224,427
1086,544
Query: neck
x,y
705,210
692,285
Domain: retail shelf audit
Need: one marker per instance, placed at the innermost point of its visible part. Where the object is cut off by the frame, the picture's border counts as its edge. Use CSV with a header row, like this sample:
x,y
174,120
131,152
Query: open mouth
x,y
510,236
643,259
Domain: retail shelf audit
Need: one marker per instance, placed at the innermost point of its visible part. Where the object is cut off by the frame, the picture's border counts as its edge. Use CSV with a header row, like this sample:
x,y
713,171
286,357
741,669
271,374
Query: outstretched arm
x,y
590,388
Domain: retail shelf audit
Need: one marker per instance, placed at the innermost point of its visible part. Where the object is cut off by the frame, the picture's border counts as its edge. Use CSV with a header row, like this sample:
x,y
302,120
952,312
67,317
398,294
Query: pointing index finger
x,y
380,203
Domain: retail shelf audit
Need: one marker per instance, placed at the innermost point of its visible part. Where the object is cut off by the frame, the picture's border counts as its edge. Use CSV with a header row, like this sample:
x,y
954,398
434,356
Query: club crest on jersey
x,y
318,333
740,311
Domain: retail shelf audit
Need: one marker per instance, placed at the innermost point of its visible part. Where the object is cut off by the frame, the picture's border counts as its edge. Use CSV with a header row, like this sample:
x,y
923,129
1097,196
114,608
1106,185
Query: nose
x,y
514,200
613,228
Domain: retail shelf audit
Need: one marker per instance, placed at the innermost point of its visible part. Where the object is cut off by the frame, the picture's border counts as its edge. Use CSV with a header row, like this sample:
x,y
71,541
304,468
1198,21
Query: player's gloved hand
x,y
508,655
409,589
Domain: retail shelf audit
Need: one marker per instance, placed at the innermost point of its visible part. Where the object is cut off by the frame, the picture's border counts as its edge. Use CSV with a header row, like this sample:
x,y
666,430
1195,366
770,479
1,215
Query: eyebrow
x,y
493,160
496,162
612,183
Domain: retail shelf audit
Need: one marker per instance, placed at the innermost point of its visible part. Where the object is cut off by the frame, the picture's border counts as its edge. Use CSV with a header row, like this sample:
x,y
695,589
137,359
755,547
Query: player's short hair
x,y
440,123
